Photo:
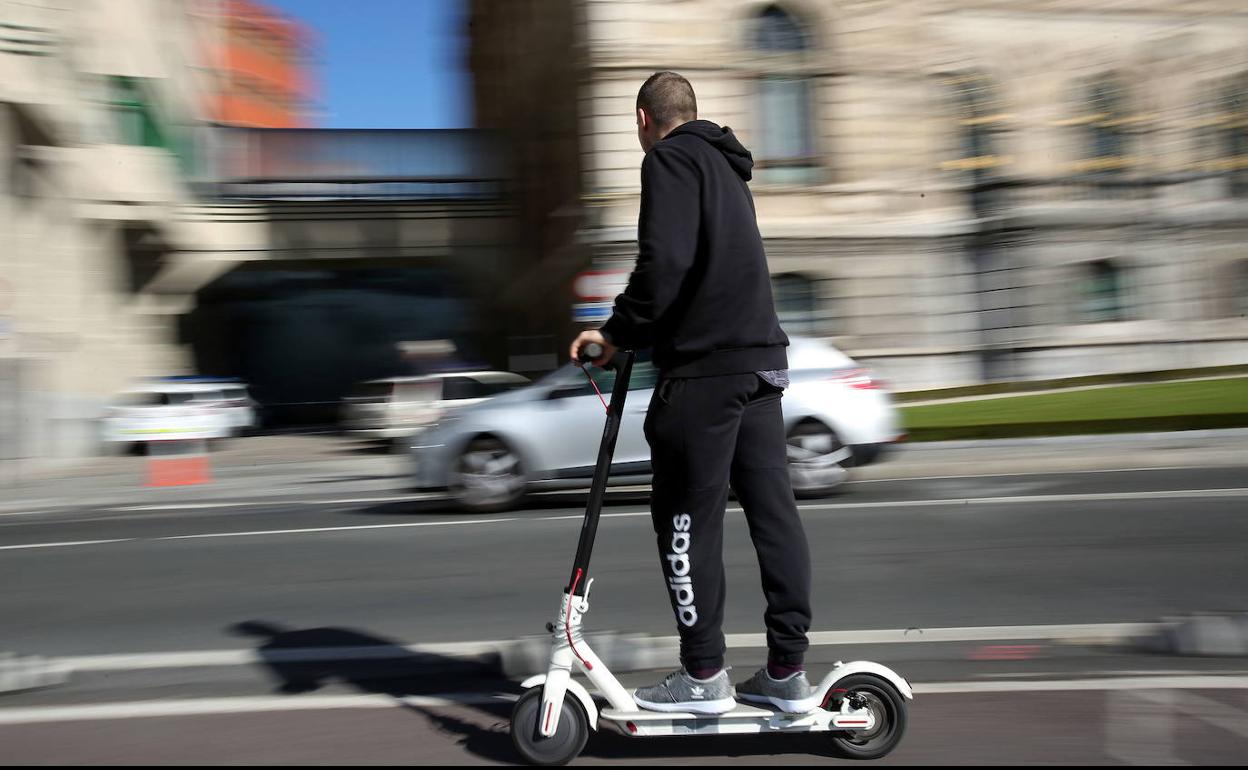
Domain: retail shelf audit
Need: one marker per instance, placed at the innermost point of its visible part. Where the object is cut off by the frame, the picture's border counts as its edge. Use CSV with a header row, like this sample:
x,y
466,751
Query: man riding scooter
x,y
700,296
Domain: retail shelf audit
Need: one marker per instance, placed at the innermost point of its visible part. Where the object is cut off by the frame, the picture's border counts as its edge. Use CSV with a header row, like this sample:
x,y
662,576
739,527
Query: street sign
x,y
599,285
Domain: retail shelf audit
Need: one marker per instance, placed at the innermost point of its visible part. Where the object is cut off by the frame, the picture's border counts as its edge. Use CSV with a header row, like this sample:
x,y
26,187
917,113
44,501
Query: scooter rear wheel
x,y
886,704
561,748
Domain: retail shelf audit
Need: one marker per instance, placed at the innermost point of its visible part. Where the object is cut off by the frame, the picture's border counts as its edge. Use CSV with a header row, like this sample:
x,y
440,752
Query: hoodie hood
x,y
722,139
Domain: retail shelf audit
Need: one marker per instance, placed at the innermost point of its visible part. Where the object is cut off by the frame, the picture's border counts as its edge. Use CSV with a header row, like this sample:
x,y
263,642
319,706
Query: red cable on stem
x,y
596,390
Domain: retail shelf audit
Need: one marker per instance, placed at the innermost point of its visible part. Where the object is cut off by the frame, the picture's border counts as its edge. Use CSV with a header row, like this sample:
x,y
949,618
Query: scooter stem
x,y
622,362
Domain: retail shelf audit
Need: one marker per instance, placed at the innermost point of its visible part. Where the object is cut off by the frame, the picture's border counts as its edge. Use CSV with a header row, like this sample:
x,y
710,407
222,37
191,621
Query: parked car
x,y
399,407
545,436
225,393
180,407
240,407
161,412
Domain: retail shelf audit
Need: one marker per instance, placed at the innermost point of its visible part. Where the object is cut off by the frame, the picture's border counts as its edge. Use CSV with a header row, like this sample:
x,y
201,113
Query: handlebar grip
x,y
590,352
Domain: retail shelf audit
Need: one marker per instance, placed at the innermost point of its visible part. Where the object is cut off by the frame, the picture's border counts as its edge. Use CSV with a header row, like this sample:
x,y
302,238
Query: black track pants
x,y
705,434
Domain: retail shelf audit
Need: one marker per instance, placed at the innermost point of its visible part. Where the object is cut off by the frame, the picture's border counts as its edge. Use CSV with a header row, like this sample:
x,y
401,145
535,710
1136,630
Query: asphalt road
x,y
317,569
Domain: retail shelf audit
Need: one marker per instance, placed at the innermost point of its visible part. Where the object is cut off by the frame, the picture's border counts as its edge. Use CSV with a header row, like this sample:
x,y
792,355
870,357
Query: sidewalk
x,y
1062,454
258,466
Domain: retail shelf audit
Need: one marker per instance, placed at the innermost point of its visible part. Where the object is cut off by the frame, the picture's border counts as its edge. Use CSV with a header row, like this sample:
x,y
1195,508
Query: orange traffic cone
x,y
177,463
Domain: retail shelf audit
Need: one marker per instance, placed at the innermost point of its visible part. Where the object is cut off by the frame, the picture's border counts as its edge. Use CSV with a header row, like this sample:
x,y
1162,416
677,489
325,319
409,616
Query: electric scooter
x,y
860,705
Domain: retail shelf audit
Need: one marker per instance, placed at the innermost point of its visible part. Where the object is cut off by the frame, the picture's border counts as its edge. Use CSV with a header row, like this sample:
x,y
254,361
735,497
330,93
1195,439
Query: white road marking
x,y
1210,682
1234,492
240,705
198,658
68,544
1033,499
852,481
401,525
253,503
185,506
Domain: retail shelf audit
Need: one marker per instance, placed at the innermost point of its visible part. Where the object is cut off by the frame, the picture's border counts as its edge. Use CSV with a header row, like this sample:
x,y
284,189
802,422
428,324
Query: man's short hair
x,y
668,99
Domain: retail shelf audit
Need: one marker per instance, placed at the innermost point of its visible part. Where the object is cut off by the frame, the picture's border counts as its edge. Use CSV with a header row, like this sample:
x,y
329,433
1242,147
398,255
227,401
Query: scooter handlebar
x,y
590,353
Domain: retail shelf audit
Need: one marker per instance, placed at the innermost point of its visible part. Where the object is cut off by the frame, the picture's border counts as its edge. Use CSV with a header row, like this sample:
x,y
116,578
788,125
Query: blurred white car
x,y
180,408
239,406
546,436
399,407
166,412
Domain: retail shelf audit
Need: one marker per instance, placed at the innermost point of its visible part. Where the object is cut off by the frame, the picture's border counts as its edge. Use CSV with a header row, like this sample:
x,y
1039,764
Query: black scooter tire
x,y
569,738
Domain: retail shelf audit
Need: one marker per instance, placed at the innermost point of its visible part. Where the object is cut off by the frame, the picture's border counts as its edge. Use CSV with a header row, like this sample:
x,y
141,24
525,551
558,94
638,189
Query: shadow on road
x,y
399,673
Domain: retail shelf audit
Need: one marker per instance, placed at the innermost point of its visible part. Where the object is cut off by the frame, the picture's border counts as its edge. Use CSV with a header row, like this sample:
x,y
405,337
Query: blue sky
x,y
387,63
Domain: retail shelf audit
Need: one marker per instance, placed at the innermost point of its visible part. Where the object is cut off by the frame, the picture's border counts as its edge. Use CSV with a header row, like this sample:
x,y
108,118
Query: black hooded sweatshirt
x,y
700,294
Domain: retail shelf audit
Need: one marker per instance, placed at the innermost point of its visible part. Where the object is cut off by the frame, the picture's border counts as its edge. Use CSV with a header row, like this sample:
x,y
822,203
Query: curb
x,y
620,652
1128,425
31,672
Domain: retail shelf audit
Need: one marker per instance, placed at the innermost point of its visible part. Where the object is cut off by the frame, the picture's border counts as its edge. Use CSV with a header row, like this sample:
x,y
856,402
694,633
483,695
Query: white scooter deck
x,y
745,718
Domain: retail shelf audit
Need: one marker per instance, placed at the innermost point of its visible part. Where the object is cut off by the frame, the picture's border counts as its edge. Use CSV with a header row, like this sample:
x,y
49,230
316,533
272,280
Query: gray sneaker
x,y
792,694
681,692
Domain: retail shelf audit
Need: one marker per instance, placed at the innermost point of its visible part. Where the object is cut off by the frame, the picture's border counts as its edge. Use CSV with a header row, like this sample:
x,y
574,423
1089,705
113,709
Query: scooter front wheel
x,y
559,749
887,706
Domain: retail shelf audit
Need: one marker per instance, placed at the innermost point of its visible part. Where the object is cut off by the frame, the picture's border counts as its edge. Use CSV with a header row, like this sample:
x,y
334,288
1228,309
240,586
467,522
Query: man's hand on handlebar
x,y
595,337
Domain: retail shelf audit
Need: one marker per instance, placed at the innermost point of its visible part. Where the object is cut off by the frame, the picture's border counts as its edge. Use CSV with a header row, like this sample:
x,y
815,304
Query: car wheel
x,y
487,477
818,460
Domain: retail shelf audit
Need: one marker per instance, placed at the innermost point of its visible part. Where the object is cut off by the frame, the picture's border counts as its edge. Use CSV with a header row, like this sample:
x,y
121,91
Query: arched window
x,y
784,150
776,30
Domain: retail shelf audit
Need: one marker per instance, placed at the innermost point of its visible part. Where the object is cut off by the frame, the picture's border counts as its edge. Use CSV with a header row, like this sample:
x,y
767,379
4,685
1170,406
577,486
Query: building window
x,y
1235,134
785,149
776,30
1221,133
797,303
1239,290
136,124
1107,139
1104,128
1101,292
980,118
